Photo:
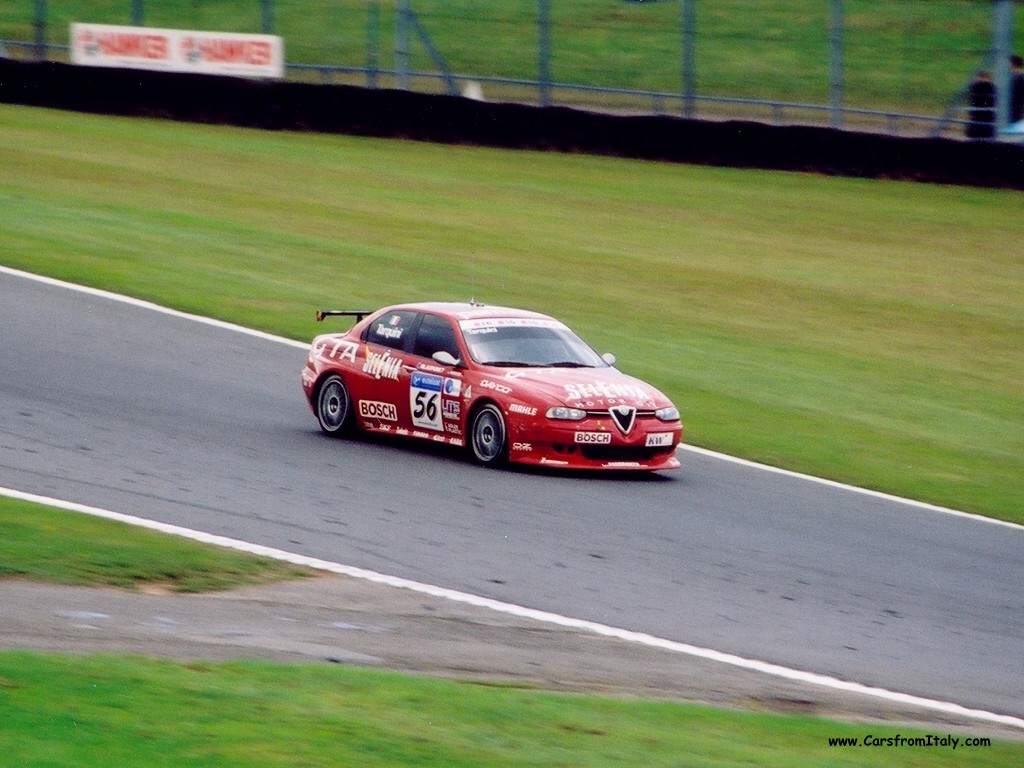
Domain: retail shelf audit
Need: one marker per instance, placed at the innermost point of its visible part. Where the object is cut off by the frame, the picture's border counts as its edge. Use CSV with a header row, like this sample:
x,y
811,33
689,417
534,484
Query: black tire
x,y
488,437
334,407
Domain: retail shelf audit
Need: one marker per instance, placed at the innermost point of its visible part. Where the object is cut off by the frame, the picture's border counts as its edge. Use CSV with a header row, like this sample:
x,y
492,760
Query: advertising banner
x,y
177,50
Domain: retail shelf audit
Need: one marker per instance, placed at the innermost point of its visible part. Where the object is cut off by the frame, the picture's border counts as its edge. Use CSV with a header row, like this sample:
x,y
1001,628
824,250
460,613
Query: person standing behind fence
x,y
1016,89
981,98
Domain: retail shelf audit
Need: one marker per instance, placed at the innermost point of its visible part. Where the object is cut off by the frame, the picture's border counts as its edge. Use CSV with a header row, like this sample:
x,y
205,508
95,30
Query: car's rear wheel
x,y
334,407
488,438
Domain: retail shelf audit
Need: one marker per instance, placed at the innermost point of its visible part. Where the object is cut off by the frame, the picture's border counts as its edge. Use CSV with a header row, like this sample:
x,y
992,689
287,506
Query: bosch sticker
x,y
372,409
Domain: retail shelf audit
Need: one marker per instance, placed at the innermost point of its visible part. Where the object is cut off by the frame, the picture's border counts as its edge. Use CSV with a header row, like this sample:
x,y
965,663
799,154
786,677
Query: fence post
x,y
372,43
835,64
402,44
40,24
267,17
544,52
1002,48
688,22
138,13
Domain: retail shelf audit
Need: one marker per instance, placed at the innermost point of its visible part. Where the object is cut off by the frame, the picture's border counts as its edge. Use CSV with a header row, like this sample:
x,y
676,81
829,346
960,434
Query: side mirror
x,y
444,358
609,358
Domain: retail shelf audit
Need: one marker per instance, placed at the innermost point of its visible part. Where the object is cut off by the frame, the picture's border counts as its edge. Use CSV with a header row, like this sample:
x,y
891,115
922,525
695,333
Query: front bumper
x,y
595,444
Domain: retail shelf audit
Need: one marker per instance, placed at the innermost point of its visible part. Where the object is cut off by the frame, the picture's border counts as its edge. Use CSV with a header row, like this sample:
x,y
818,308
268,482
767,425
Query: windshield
x,y
527,343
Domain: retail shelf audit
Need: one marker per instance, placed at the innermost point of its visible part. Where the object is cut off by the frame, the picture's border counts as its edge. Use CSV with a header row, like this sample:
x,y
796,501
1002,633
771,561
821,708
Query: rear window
x,y
391,329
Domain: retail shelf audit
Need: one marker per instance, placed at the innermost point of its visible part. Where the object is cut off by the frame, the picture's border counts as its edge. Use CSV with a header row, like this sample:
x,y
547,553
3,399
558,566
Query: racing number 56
x,y
425,409
424,397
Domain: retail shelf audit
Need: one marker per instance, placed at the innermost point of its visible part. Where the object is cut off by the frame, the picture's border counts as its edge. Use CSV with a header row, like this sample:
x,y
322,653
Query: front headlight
x,y
671,413
566,414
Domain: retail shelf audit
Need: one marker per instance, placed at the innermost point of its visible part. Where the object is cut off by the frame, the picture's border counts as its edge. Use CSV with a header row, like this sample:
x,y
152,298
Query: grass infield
x,y
869,332
131,711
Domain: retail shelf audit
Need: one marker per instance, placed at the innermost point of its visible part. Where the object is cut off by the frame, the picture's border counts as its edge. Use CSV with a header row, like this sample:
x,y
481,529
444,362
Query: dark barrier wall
x,y
280,105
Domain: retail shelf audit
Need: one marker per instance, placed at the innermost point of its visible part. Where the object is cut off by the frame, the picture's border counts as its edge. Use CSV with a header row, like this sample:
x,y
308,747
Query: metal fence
x,y
895,66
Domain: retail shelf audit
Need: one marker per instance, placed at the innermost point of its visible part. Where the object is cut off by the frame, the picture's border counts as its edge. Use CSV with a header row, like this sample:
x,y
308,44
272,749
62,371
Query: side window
x,y
435,335
391,329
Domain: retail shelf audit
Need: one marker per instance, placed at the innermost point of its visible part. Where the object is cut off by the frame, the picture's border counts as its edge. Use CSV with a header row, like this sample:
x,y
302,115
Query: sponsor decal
x,y
630,464
593,438
425,400
417,433
177,50
121,43
426,381
431,368
659,440
546,460
401,431
452,387
491,324
373,409
452,428
624,417
522,446
600,389
382,366
488,384
247,51
387,331
468,395
336,349
601,404
456,441
526,410
452,409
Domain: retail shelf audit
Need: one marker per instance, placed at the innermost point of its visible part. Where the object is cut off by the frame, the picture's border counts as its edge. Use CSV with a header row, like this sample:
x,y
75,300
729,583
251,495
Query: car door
x,y
435,389
381,402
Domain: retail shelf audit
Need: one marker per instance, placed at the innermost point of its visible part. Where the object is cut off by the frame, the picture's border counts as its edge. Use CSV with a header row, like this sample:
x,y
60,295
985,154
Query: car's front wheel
x,y
488,437
334,407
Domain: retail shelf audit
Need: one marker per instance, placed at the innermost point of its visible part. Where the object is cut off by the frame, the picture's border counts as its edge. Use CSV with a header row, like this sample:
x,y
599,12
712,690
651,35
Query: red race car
x,y
508,384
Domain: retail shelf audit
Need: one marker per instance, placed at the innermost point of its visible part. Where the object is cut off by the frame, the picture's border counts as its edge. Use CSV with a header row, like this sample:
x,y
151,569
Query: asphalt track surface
x,y
116,406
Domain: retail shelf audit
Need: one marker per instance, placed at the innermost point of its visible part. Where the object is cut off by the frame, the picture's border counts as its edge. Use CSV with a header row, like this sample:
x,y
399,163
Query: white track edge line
x,y
630,636
142,304
100,293
924,505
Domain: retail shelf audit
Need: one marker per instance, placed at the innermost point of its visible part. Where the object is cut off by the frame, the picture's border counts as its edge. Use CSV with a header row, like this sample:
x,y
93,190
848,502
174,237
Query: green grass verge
x,y
870,332
910,56
44,544
132,711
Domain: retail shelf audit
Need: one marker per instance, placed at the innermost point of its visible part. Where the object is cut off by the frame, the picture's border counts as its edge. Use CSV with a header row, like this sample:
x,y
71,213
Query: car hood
x,y
578,387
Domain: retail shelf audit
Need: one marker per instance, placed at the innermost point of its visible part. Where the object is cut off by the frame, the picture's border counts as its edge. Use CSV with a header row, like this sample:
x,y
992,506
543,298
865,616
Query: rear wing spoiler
x,y
358,314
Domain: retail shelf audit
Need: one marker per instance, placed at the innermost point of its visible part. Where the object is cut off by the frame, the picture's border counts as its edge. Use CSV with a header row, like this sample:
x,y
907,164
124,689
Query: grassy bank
x,y
869,332
61,547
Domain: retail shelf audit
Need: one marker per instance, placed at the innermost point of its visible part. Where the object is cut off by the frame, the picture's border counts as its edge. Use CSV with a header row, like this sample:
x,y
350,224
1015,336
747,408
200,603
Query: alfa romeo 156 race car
x,y
506,384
